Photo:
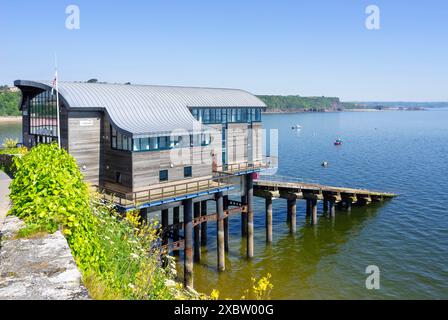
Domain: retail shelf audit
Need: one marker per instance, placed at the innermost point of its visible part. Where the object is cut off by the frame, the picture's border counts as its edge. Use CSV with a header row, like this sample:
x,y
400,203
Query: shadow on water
x,y
292,259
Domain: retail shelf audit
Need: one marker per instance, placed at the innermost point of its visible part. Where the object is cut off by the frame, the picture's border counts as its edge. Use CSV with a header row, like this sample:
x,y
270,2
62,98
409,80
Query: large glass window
x,y
43,115
120,141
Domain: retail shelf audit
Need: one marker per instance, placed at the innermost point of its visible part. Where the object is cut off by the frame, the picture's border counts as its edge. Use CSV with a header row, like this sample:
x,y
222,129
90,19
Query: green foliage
x,y
115,254
10,143
9,103
290,103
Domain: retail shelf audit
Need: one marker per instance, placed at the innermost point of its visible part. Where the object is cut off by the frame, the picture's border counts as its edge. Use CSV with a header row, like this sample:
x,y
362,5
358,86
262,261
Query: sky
x,y
308,48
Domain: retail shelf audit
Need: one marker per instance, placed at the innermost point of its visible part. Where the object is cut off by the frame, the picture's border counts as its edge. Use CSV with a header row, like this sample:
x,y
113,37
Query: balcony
x,y
166,193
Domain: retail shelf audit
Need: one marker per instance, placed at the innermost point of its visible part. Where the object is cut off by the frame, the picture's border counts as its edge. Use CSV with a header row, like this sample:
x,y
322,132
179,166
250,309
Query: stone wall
x,y
39,268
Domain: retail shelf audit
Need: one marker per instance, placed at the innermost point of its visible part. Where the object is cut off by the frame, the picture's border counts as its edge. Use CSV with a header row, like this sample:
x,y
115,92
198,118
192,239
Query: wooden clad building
x,y
131,138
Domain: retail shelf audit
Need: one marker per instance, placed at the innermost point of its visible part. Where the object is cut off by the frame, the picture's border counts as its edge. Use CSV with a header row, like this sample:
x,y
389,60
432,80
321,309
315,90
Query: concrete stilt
x,y
292,215
243,217
314,212
165,214
204,224
269,220
226,224
250,215
220,231
196,233
176,228
188,238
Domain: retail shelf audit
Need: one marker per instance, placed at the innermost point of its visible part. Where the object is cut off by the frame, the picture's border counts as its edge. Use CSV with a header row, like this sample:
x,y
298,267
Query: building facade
x,y
131,138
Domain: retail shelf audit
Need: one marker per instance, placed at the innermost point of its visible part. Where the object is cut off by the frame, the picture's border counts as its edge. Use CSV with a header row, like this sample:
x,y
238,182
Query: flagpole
x,y
57,100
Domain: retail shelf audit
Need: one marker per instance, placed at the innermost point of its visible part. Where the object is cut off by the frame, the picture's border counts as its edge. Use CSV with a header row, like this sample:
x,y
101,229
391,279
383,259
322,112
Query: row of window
x,y
163,175
227,115
123,142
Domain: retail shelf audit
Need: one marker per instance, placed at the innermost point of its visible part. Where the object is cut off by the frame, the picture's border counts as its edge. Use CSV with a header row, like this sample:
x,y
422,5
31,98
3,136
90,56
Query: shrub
x,y
9,143
118,257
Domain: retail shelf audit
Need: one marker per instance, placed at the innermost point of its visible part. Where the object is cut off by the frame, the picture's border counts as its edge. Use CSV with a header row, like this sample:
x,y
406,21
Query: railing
x,y
245,166
277,178
168,191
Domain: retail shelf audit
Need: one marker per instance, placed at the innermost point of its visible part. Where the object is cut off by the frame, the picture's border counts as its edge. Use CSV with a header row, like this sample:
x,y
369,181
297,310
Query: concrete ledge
x,y
37,269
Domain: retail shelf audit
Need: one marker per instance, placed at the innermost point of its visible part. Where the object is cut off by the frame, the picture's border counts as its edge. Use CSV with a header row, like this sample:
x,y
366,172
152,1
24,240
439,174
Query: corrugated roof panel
x,y
149,110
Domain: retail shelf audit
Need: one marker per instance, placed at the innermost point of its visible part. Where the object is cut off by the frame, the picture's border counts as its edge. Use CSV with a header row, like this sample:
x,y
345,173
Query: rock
x,y
37,269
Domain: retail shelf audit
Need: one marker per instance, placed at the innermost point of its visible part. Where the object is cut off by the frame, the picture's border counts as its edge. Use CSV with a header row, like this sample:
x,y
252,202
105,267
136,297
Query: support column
x,y
196,233
332,209
292,214
269,220
226,224
308,207
143,213
250,215
348,206
325,205
188,238
314,212
244,217
176,227
204,224
165,213
220,231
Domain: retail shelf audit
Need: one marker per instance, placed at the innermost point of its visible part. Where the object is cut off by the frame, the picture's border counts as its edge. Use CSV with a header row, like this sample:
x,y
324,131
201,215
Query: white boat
x,y
297,127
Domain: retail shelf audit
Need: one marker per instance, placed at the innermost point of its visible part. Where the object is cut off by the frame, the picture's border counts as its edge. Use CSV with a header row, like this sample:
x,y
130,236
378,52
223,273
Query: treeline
x,y
291,103
9,102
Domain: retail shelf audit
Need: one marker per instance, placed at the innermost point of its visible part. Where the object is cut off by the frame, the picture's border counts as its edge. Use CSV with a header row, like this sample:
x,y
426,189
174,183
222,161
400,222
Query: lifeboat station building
x,y
166,149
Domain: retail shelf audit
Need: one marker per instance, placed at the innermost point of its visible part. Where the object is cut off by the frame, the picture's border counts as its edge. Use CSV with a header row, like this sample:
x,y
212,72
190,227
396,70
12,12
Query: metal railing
x,y
245,166
163,192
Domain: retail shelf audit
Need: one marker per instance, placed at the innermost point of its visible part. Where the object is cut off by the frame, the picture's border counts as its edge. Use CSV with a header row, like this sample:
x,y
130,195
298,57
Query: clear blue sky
x,y
267,47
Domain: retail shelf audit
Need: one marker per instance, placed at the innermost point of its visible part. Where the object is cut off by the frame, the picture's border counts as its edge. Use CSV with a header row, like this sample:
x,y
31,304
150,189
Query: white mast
x,y
57,99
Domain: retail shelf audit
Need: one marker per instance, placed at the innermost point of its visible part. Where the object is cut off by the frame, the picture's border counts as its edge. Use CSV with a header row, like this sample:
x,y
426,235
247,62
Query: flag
x,y
54,83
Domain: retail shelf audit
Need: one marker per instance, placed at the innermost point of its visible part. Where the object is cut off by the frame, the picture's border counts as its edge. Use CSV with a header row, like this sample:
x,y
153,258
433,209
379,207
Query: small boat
x,y
297,127
338,142
325,164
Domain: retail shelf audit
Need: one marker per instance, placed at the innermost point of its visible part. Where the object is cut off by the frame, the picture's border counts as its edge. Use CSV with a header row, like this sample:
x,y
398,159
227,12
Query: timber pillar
x,y
325,206
165,230
332,208
204,224
176,227
250,215
308,208
196,232
244,217
220,231
226,224
292,215
313,212
143,214
188,238
268,219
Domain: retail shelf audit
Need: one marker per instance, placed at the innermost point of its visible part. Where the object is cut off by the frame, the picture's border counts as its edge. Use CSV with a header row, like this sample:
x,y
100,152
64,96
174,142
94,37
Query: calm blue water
x,y
407,238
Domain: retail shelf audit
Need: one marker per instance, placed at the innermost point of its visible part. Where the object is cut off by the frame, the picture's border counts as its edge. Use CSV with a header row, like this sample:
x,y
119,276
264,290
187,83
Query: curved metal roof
x,y
144,110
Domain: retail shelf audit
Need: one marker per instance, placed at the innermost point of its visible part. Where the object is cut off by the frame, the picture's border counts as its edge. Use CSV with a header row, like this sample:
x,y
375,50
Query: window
x,y
195,113
114,138
206,118
42,111
163,175
120,141
118,177
153,143
187,172
164,143
224,115
218,115
212,116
